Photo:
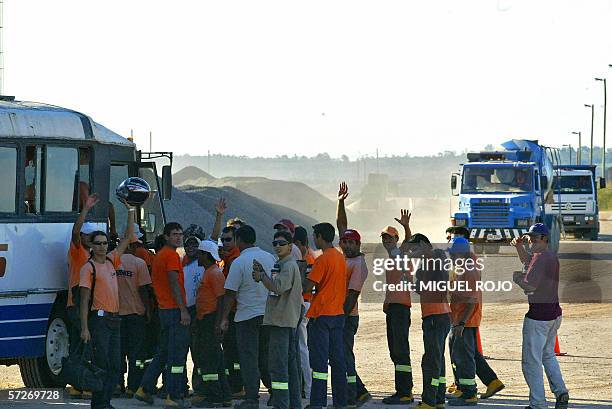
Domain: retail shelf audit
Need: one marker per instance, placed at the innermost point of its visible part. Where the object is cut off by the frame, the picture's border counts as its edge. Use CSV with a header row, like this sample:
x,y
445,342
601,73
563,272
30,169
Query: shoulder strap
x,y
93,283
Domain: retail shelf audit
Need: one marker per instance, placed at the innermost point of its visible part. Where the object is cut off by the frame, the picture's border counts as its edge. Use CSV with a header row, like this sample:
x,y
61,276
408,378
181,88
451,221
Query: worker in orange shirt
x,y
435,313
230,253
209,305
78,254
168,283
397,306
326,319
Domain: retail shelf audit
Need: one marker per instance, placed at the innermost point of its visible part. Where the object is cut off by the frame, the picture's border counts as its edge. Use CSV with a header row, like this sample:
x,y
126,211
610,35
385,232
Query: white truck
x,y
576,199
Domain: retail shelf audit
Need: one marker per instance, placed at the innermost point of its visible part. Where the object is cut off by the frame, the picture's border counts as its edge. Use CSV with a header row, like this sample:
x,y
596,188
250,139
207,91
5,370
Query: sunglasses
x,y
100,243
278,243
226,239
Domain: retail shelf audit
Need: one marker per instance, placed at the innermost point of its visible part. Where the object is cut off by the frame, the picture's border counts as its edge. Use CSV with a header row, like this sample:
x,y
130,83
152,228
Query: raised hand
x,y
221,206
343,191
91,200
404,219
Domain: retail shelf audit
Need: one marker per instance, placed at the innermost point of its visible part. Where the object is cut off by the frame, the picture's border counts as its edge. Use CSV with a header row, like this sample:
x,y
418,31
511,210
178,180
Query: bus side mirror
x,y
166,182
602,183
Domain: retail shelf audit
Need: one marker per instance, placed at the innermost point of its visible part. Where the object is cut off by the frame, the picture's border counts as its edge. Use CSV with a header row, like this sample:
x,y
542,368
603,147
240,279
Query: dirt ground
x,y
585,335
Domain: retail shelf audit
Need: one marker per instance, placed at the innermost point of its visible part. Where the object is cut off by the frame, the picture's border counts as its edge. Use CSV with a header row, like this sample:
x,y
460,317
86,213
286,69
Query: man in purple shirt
x,y
540,281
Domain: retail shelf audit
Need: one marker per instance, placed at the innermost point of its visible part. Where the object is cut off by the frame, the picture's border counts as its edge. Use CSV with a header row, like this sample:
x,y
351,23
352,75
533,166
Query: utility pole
x,y
592,106
1,47
603,155
578,152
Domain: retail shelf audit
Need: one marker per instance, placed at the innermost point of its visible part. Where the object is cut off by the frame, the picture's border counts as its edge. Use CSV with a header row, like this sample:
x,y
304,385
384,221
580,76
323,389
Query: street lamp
x,y
578,153
570,152
592,120
603,155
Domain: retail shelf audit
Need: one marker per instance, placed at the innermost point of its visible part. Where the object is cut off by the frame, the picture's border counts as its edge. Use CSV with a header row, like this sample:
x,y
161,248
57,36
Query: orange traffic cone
x,y
478,342
558,348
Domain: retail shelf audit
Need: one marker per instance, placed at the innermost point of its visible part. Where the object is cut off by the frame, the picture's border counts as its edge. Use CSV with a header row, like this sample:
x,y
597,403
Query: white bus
x,y
50,158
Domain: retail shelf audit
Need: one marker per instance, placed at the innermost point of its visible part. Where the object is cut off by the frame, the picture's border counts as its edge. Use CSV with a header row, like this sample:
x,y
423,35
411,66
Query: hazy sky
x,y
345,77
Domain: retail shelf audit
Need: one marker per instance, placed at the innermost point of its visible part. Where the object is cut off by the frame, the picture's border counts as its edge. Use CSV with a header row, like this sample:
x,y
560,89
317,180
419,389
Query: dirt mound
x,y
197,205
294,195
191,175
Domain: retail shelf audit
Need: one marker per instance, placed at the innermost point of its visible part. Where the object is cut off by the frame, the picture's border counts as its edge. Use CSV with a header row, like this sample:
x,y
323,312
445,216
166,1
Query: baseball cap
x,y
88,228
211,247
538,229
288,224
350,234
390,230
459,245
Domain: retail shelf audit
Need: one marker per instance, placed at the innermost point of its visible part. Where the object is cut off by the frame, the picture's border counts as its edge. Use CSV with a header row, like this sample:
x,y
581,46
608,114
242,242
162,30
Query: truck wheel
x,y
594,235
43,372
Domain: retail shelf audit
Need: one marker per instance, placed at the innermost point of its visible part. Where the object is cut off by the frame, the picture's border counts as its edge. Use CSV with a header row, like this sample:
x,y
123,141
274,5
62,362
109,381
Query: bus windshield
x,y
576,184
502,179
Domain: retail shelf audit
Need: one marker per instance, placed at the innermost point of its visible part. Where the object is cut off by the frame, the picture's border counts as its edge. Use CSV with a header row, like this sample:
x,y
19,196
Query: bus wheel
x,y
43,372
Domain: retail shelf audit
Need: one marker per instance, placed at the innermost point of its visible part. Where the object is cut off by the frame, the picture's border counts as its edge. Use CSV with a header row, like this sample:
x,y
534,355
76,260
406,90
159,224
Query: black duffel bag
x,y
80,372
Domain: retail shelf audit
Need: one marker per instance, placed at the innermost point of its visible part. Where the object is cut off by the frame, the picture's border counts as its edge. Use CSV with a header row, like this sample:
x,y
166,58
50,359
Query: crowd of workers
x,y
249,316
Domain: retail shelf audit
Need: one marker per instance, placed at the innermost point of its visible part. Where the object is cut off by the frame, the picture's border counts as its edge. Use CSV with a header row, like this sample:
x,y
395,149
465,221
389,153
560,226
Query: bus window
x,y
61,165
117,211
84,179
8,179
32,179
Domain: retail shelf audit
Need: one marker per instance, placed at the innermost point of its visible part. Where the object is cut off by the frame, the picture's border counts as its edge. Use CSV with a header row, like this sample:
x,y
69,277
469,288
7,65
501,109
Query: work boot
x,y
463,401
86,395
454,395
74,393
451,388
363,398
129,393
142,396
177,403
495,386
423,405
397,399
562,401
239,395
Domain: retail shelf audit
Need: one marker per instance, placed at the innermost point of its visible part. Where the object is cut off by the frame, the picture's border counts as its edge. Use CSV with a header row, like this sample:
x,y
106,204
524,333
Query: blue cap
x,y
459,245
538,229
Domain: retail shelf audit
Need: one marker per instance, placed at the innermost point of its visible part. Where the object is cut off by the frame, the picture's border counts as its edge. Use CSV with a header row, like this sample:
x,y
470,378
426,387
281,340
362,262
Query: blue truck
x,y
502,192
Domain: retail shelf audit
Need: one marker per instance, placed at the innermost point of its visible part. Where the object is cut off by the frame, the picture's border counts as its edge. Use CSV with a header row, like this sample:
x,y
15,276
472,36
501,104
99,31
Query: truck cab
x,y
576,199
501,193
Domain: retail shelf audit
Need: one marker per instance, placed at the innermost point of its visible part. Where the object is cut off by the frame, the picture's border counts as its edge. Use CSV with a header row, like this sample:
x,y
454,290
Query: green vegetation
x,y
605,198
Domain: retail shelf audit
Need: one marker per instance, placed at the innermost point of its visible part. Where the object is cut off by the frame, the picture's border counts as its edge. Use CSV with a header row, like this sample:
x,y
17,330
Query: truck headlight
x,y
460,222
522,222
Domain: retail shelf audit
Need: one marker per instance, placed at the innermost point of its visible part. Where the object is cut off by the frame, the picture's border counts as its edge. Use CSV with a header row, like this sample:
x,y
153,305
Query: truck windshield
x,y
576,184
488,179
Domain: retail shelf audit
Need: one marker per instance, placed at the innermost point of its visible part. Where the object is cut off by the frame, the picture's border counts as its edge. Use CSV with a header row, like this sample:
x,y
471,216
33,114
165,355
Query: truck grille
x,y
490,215
575,206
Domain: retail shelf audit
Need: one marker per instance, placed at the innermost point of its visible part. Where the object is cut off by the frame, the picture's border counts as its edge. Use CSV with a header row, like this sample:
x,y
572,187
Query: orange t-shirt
x,y
131,274
106,293
329,275
356,274
77,257
228,259
394,276
167,259
211,288
470,276
310,259
146,255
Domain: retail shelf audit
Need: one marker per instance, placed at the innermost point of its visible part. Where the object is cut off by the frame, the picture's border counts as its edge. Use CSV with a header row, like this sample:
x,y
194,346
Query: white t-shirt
x,y
296,253
193,277
251,296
